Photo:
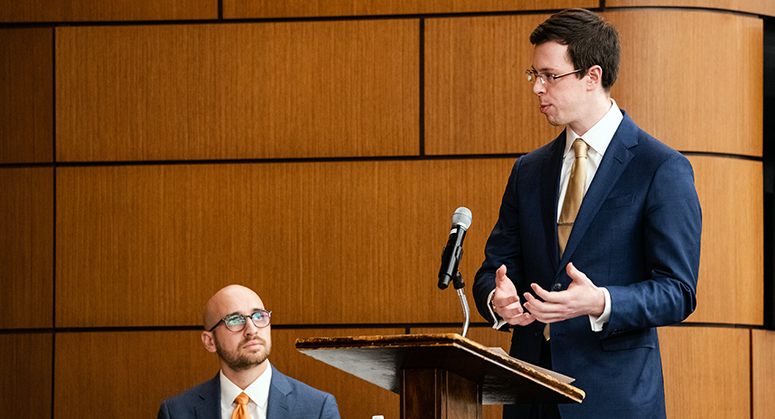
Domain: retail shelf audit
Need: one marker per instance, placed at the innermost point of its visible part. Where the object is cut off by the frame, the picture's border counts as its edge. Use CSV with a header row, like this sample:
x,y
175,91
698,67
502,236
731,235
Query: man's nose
x,y
250,327
538,87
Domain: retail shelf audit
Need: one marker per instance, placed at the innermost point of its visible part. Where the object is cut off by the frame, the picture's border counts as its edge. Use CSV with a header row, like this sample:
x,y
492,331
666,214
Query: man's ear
x,y
595,74
208,340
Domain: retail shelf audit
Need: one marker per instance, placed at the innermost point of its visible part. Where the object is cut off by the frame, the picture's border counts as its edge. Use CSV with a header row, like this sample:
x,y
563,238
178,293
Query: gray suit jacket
x,y
288,398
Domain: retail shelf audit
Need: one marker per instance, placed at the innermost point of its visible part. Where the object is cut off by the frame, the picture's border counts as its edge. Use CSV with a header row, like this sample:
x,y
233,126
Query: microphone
x,y
450,258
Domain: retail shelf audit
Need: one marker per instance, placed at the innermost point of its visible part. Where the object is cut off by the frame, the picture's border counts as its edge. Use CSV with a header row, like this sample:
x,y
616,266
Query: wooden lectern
x,y
441,375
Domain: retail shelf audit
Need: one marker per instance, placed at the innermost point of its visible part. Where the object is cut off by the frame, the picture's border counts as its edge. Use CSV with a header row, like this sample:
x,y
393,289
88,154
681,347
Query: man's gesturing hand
x,y
506,300
581,298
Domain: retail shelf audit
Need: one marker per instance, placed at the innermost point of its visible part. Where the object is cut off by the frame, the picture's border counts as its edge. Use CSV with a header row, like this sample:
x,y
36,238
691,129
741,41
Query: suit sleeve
x,y
503,248
163,411
330,408
671,246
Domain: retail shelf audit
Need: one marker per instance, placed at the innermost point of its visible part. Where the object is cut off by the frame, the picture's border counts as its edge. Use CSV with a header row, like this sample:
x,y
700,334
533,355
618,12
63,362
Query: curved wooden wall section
x,y
762,7
477,98
664,84
731,245
246,9
151,153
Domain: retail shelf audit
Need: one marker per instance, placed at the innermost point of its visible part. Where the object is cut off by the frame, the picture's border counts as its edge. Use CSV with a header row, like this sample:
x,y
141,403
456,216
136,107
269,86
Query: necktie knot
x,y
580,148
241,411
242,399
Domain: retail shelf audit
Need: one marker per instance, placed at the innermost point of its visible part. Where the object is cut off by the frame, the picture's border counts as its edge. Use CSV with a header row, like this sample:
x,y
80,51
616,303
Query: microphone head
x,y
462,217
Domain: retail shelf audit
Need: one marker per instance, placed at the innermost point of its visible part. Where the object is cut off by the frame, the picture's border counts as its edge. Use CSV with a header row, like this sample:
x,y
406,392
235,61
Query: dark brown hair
x,y
590,40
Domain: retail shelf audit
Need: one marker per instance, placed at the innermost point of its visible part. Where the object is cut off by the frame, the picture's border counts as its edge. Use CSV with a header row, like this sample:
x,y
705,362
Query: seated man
x,y
247,385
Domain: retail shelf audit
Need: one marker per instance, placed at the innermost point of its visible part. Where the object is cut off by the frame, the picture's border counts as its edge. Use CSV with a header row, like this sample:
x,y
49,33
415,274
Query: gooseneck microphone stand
x,y
459,284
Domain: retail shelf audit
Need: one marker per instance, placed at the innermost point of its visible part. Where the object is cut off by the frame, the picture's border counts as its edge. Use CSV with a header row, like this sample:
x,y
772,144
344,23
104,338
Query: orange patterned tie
x,y
241,411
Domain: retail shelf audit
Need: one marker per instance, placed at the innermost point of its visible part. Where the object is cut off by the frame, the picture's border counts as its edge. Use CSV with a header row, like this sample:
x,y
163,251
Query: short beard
x,y
238,361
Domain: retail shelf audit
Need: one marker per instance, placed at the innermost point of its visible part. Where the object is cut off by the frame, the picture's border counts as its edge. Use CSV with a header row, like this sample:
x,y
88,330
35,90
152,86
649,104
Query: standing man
x,y
598,237
248,386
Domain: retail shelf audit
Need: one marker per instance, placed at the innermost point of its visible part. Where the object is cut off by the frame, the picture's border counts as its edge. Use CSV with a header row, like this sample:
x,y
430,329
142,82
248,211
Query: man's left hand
x,y
581,298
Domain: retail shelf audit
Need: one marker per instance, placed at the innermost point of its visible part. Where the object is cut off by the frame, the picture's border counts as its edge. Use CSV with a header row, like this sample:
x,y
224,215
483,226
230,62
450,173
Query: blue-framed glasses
x,y
236,322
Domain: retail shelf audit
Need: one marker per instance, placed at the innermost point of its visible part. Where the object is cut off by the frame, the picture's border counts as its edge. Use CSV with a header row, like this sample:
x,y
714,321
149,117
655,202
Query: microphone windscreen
x,y
462,217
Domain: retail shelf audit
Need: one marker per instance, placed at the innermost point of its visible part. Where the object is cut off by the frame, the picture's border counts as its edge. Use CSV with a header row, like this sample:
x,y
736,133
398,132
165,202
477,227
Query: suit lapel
x,y
617,156
209,403
277,404
550,189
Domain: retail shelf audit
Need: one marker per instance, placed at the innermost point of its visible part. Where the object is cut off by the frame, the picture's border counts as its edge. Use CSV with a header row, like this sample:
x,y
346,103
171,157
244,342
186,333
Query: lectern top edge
x,y
417,344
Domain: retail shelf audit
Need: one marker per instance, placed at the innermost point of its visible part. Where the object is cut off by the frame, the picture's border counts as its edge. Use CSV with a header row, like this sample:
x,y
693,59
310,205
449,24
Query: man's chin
x,y
552,121
246,363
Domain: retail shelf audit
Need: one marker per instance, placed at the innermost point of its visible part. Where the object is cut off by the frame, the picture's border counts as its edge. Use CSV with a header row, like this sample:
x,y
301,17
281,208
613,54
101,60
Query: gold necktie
x,y
241,411
573,197
575,193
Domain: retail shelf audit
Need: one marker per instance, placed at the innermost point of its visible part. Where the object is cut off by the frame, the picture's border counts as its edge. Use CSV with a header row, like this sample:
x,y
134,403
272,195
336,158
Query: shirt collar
x,y
599,136
258,390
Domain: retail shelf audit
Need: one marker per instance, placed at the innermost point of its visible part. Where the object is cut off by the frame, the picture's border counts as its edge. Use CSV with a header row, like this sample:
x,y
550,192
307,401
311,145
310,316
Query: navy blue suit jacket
x,y
288,398
637,233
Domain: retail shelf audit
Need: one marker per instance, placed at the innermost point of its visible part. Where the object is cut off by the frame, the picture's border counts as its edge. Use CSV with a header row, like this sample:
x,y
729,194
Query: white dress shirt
x,y
258,391
598,138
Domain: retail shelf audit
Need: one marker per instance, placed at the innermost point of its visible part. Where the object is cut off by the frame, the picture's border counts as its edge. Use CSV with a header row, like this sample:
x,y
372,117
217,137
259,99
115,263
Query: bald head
x,y
242,353
228,300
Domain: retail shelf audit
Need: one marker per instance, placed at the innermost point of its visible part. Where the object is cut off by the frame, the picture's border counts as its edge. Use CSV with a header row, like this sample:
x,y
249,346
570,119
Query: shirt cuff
x,y
598,323
496,320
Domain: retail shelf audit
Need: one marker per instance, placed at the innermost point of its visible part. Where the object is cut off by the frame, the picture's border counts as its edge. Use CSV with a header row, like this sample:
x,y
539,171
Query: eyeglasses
x,y
236,322
533,75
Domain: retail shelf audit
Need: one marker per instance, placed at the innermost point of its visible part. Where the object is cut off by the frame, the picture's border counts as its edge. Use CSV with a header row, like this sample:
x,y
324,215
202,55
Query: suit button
x,y
557,286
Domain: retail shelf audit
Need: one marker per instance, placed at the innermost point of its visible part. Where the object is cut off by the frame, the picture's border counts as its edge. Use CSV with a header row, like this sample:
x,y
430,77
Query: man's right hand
x,y
506,301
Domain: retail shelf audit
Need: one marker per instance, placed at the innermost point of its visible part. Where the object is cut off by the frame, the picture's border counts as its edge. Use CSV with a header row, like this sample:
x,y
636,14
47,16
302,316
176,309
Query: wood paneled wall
x,y
264,90
242,9
27,374
100,11
26,108
707,371
153,152
26,247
